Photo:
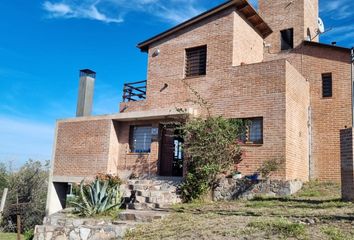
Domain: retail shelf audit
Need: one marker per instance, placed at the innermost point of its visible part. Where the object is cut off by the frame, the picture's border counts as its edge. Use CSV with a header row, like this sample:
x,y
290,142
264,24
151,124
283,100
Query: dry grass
x,y
314,213
9,236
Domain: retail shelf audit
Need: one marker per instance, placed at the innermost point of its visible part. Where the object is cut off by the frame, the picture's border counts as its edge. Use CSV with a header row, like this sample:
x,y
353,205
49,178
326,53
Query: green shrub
x,y
269,167
97,198
30,184
112,180
211,147
29,234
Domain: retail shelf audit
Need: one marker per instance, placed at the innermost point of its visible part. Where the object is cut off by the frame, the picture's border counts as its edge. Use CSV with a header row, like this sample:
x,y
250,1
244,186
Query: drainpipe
x,y
352,63
309,124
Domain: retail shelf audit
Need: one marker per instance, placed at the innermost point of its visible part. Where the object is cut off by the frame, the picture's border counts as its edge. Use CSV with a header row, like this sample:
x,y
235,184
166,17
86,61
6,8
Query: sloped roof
x,y
242,6
318,44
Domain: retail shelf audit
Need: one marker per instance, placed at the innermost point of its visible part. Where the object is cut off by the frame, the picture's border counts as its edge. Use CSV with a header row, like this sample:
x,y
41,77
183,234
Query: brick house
x,y
266,66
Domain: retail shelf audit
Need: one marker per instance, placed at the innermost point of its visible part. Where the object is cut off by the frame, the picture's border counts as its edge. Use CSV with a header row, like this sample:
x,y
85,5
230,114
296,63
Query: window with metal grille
x,y
327,85
287,39
196,61
140,139
253,133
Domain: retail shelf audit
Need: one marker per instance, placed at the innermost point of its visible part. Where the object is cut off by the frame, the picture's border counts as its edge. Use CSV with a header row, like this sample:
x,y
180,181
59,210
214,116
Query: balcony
x,y
135,91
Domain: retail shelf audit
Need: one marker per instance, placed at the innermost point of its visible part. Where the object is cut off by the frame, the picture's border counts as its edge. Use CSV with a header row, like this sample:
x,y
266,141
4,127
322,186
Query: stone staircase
x,y
145,200
149,199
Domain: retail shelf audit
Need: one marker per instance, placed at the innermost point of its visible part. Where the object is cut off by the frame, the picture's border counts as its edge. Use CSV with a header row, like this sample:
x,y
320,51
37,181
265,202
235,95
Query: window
x,y
196,61
287,39
327,85
140,139
253,133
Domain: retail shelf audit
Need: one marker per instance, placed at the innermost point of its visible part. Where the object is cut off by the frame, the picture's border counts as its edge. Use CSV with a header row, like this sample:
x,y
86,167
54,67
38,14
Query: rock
x,y
61,237
230,189
49,236
84,233
310,221
73,235
77,222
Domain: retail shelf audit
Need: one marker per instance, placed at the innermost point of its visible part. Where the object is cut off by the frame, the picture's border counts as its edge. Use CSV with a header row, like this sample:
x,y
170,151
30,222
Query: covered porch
x,y
139,143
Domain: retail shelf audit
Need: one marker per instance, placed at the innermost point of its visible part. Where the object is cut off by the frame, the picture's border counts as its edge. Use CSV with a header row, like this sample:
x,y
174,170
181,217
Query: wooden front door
x,y
171,158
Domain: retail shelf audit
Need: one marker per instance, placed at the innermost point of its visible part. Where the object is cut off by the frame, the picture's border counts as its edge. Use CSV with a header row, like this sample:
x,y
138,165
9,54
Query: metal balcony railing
x,y
135,91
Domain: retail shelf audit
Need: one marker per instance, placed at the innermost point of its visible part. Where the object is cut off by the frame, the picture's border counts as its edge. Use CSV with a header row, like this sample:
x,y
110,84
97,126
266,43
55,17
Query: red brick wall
x,y
225,47
284,14
83,148
237,92
297,132
347,163
140,164
273,89
256,90
329,115
247,44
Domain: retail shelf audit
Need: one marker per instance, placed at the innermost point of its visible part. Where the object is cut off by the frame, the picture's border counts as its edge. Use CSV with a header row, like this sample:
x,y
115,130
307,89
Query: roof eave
x,y
241,7
318,44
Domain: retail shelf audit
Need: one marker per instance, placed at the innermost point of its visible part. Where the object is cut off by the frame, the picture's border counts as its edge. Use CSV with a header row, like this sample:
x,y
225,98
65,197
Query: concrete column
x,y
86,89
347,164
56,197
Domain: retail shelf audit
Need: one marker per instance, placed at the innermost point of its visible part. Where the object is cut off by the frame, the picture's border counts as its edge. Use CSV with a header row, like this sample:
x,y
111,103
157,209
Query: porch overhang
x,y
69,179
137,115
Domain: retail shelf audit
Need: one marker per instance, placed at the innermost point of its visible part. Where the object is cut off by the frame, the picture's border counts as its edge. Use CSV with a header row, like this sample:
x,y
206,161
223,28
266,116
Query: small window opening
x,y
253,132
327,85
287,39
140,139
196,59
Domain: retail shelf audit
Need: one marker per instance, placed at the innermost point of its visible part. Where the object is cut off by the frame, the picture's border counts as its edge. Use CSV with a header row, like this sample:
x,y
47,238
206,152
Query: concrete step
x,y
141,199
145,194
154,193
141,216
141,206
140,181
174,181
139,187
164,199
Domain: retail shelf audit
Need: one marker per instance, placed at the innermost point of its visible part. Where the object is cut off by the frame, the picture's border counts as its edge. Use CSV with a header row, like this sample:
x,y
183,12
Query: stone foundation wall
x,y
61,227
231,189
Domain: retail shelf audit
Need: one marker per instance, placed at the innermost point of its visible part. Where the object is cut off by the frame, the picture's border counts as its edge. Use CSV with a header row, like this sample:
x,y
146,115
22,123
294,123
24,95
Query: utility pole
x,y
18,209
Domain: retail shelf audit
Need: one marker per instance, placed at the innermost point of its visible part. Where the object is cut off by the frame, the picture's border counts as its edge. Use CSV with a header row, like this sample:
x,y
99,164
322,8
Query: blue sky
x,y
44,43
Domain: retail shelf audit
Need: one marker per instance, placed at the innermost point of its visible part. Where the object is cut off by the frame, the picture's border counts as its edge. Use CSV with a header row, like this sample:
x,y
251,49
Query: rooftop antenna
x,y
321,28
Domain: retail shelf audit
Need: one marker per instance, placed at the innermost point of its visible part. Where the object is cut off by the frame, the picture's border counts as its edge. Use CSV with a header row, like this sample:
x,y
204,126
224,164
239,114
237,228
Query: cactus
x,y
97,198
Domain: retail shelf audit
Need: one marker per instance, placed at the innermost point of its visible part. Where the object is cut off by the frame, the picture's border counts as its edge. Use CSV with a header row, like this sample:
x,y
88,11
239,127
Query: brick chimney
x,y
86,86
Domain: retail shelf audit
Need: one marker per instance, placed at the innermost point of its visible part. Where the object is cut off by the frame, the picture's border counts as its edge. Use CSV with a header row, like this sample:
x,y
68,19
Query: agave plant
x,y
97,198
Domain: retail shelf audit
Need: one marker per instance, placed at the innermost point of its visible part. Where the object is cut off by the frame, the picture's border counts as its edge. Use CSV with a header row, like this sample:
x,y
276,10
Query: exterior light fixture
x,y
156,53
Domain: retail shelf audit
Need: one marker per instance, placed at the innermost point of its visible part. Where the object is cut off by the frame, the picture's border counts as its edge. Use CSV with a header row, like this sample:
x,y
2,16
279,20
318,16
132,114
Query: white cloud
x,y
112,11
173,11
57,9
71,10
337,9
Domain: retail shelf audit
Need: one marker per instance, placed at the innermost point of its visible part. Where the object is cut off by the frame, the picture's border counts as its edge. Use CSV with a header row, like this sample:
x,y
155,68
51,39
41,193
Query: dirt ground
x,y
316,212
